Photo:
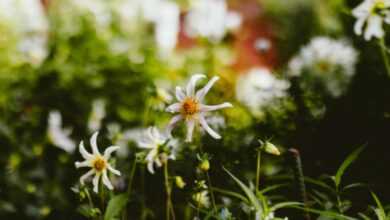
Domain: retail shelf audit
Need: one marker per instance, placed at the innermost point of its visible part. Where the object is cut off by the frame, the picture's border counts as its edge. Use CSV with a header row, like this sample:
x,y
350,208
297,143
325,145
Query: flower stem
x,y
102,198
258,171
211,191
129,185
132,172
210,188
385,58
169,206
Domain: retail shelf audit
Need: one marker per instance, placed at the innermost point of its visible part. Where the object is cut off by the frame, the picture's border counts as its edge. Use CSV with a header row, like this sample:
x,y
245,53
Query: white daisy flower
x,y
59,136
370,15
331,61
98,163
259,88
210,19
97,114
191,108
160,148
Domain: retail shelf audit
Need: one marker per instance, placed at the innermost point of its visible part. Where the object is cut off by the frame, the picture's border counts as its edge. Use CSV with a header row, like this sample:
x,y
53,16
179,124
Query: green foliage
x,y
115,207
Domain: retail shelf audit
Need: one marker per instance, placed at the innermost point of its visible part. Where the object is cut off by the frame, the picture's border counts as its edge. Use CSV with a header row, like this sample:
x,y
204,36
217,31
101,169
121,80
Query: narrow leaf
x,y
347,162
251,196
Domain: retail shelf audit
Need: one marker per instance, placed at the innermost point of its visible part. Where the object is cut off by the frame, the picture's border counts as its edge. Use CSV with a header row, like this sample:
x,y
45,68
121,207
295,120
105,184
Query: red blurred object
x,y
184,41
253,28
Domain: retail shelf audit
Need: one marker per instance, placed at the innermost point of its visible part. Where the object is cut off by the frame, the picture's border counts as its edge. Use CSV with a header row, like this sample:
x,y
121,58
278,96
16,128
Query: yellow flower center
x,y
378,6
99,164
189,107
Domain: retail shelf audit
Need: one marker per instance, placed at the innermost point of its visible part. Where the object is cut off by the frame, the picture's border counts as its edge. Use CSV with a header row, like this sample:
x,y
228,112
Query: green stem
x,y
210,188
102,199
129,185
385,58
258,171
132,172
169,206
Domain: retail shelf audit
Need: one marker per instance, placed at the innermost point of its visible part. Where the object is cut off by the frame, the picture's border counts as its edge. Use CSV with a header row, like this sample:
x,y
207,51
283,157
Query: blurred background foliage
x,y
101,51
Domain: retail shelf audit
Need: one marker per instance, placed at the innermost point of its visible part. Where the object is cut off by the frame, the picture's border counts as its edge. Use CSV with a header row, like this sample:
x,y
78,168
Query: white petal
x,y
207,108
143,144
95,182
83,164
93,143
176,107
358,27
109,151
106,181
150,167
208,129
201,93
155,133
84,152
149,133
192,83
112,170
172,124
190,130
374,27
86,175
180,94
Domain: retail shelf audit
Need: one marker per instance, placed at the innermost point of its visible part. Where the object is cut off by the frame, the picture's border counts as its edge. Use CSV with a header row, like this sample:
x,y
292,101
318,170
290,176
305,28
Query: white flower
x,y
57,135
98,10
155,142
98,163
97,115
191,108
332,61
210,19
202,198
371,14
167,27
259,88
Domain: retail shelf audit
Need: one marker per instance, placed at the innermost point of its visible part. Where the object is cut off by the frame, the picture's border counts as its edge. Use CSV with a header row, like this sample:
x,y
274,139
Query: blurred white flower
x,y
259,88
202,198
331,60
210,19
99,11
98,163
28,22
59,136
191,108
370,15
160,147
167,27
122,138
97,114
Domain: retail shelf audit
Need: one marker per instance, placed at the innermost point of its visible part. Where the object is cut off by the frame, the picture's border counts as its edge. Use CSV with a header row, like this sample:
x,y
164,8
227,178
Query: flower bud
x,y
180,182
271,148
204,165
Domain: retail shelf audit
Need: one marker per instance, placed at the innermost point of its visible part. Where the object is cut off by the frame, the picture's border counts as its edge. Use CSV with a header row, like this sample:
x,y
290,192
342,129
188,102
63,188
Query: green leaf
x,y
115,206
284,205
380,211
330,214
230,193
347,162
251,196
273,187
